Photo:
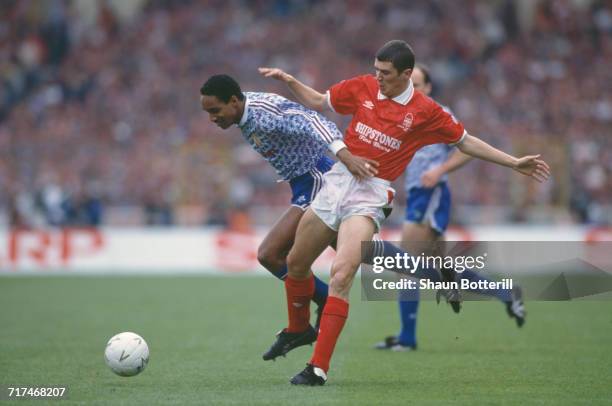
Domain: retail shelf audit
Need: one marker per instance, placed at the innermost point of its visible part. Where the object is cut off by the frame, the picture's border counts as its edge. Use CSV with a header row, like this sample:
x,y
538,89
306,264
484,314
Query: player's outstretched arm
x,y
530,165
305,94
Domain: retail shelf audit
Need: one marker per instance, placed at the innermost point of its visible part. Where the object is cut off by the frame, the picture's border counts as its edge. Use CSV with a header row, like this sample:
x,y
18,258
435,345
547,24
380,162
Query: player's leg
x,y
408,303
408,300
311,239
436,219
416,237
417,234
273,251
353,230
512,299
351,233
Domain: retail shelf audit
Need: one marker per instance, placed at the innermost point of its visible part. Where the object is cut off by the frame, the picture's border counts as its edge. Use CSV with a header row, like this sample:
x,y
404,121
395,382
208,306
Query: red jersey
x,y
387,130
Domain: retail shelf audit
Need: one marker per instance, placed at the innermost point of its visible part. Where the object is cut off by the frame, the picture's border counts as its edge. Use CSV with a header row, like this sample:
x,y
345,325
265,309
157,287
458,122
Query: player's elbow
x,y
466,144
318,103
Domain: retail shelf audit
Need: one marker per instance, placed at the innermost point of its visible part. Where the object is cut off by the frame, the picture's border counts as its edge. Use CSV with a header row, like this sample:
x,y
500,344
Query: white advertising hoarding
x,y
186,250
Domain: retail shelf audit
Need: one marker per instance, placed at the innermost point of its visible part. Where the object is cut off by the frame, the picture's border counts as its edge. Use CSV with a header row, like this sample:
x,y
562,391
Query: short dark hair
x,y
397,52
222,87
426,75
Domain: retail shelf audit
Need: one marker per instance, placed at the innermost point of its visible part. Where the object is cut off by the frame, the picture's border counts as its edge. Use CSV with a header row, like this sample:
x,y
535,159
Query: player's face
x,y
418,80
391,82
222,114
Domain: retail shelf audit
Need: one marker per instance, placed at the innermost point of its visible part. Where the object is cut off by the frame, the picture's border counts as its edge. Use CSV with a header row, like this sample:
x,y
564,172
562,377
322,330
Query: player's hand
x,y
430,178
534,167
275,73
361,168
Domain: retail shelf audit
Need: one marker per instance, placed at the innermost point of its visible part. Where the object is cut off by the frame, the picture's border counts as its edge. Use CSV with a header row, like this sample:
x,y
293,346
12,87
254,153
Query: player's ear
x,y
407,73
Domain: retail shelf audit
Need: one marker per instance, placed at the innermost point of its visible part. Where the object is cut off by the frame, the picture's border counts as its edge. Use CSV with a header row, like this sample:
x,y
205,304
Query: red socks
x,y
332,322
299,293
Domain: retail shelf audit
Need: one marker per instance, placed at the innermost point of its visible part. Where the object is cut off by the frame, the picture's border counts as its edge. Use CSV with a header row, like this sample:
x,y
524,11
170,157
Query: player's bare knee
x,y
340,284
296,266
269,258
342,274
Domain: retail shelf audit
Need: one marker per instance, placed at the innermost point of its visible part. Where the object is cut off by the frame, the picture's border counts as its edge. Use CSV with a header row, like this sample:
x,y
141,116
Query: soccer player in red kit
x,y
390,122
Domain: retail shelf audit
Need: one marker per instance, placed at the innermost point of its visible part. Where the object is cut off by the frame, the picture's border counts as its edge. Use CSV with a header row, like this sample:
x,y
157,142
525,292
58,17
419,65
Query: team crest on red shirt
x,y
407,123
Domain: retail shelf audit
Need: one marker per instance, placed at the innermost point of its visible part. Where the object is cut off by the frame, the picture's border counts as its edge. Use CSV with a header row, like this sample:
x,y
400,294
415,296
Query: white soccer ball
x,y
127,354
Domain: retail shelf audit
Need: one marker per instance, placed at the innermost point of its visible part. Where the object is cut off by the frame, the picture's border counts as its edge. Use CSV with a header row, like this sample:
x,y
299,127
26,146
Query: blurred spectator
x,y
115,101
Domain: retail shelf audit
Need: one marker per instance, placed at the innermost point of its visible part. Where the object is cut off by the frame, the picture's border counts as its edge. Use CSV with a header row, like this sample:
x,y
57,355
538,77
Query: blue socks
x,y
408,301
321,288
386,249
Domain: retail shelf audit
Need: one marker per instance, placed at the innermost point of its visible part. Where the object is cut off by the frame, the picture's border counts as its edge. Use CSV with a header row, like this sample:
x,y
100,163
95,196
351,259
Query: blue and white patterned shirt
x,y
289,136
425,159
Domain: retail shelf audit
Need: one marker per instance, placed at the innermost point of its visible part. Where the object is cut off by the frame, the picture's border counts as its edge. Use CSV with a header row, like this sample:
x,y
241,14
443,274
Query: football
x,y
126,354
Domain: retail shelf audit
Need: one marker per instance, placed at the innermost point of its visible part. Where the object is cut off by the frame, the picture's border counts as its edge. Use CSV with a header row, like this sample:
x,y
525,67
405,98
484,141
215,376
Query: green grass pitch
x,y
207,334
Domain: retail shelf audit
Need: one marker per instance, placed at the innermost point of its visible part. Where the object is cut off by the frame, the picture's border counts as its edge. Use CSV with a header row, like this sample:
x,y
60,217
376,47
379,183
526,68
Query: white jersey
x,y
291,137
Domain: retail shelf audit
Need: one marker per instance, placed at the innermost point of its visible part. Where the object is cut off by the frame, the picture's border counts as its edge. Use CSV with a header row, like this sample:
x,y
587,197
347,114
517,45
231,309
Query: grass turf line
x,y
207,334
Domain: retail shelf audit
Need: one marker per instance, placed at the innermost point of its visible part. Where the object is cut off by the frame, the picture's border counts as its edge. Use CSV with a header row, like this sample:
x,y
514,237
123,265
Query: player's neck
x,y
396,92
393,95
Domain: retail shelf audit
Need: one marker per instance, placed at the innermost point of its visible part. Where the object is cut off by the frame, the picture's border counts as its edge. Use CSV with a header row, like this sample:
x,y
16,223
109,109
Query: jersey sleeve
x,y
304,123
342,97
442,127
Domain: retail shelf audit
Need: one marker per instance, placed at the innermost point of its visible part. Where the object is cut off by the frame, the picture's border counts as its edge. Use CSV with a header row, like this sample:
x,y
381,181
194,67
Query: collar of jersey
x,y
402,98
245,113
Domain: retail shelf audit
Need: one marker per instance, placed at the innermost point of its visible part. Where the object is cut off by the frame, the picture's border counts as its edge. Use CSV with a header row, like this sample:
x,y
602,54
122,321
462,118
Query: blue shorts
x,y
305,187
429,206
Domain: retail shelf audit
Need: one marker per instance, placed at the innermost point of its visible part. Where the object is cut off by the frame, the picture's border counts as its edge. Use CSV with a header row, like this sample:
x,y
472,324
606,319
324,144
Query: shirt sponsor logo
x,y
407,123
376,138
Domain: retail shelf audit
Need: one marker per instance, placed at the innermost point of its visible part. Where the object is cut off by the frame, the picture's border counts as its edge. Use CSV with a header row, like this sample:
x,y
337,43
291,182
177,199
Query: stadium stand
x,y
100,118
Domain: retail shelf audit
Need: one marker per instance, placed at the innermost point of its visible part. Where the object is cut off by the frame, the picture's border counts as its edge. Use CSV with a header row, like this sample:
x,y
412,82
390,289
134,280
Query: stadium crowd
x,y
103,114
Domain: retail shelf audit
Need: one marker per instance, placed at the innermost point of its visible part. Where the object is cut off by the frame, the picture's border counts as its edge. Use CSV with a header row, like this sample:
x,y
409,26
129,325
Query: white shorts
x,y
343,196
